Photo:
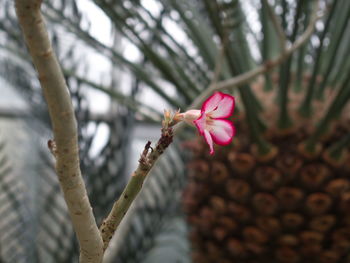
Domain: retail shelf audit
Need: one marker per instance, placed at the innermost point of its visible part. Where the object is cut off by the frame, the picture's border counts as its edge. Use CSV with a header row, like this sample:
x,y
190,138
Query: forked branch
x,y
147,160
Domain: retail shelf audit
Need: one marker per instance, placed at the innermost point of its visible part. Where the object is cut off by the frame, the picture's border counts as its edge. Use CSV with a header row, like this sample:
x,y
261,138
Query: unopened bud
x,y
171,118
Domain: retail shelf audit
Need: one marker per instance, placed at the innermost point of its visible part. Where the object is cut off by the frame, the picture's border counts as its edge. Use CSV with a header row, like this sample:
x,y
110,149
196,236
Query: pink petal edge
x,y
226,127
210,103
225,108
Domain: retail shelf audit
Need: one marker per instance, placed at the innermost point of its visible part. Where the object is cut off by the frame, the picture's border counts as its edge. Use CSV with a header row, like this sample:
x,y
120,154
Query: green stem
x,y
336,38
341,70
305,108
334,110
268,86
236,65
122,205
266,43
252,104
255,131
284,120
285,8
213,11
301,54
337,148
280,31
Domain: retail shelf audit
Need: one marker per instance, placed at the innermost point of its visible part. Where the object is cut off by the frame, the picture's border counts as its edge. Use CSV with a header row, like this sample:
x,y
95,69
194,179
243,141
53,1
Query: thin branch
x,y
64,129
277,25
147,160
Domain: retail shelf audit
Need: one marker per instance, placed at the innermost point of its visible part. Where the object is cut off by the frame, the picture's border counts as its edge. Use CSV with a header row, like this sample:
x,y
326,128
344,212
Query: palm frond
x,y
15,216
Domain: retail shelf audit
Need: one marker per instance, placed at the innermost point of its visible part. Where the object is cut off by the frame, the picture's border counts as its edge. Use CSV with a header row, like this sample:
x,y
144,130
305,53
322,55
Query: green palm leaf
x,y
15,216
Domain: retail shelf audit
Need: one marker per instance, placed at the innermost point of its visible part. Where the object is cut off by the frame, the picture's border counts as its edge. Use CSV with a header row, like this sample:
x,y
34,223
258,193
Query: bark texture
x,y
64,126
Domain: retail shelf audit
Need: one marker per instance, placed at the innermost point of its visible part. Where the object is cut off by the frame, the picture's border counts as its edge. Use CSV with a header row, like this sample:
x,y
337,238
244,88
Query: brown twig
x,y
64,129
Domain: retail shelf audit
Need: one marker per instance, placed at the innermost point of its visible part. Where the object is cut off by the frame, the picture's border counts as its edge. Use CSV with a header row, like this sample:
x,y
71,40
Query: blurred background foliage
x,y
124,62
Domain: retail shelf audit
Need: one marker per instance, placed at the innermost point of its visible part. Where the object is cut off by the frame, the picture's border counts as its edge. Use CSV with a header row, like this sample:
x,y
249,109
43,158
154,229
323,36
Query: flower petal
x,y
209,141
221,131
201,123
212,102
225,107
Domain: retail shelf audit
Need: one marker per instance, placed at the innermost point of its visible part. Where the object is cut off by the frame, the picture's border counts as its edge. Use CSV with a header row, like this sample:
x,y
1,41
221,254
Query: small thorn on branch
x,y
147,147
51,144
144,156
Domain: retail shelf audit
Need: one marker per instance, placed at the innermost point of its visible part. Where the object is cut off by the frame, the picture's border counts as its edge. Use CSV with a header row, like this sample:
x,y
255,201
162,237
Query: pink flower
x,y
211,121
